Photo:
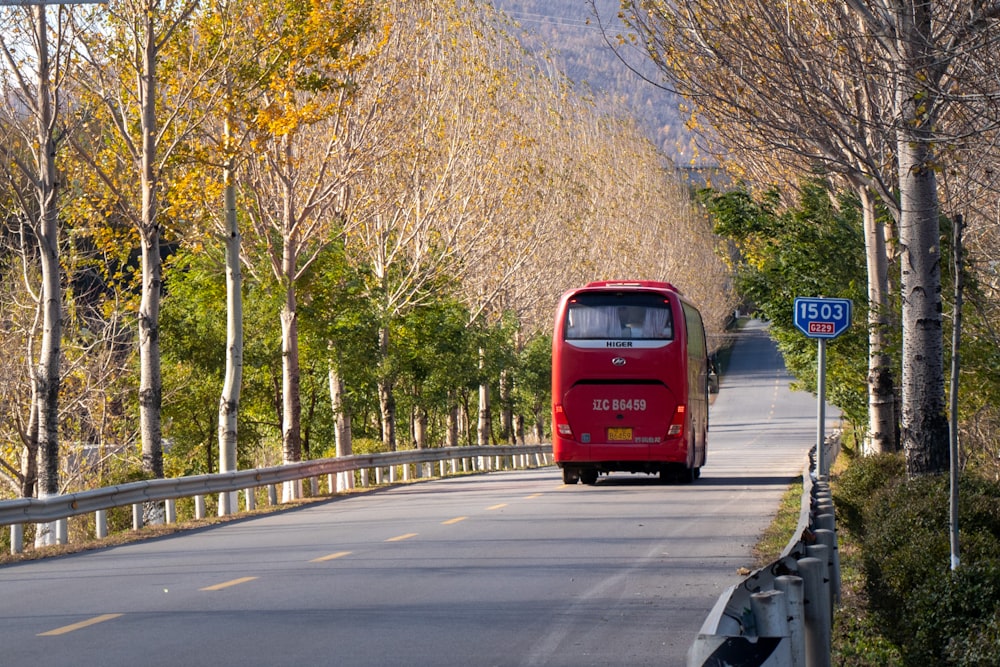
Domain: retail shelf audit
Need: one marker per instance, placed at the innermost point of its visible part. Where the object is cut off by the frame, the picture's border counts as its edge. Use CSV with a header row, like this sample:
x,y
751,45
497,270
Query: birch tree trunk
x,y
483,422
150,377
881,390
46,380
451,434
229,401
386,399
924,424
507,431
342,433
420,428
291,436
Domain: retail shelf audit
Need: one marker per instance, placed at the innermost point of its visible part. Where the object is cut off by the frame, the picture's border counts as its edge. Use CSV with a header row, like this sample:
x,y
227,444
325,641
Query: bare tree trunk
x,y
465,421
386,399
291,437
420,428
881,390
29,455
483,423
342,432
507,432
229,401
150,378
924,423
451,435
46,376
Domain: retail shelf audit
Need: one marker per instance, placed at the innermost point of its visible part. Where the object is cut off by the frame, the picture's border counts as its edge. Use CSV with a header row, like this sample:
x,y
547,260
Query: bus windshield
x,y
621,315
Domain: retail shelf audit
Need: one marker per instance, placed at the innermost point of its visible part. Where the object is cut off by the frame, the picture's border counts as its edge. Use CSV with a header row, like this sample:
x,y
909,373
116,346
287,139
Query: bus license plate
x,y
619,435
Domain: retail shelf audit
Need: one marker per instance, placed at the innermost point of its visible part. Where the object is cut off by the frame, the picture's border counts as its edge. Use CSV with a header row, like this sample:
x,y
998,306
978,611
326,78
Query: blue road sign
x,y
818,317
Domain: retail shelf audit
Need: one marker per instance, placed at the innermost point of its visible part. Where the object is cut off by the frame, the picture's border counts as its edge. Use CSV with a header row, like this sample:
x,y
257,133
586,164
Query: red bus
x,y
629,382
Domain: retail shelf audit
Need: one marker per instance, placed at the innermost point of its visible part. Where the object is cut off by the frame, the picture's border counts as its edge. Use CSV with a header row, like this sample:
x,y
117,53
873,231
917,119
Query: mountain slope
x,y
570,28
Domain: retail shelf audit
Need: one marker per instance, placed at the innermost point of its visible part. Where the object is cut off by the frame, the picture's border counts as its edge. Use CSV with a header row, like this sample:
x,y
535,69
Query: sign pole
x,y
821,466
821,318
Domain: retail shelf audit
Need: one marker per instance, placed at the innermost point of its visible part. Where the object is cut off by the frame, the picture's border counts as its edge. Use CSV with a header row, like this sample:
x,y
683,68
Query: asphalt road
x,y
498,569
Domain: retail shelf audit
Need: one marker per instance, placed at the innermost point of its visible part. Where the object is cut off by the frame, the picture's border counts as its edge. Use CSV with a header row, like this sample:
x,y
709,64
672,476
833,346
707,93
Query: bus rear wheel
x,y
588,476
570,476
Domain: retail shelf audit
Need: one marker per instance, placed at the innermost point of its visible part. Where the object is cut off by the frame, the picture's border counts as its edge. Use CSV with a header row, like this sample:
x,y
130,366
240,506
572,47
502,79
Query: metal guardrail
x,y
781,615
16,513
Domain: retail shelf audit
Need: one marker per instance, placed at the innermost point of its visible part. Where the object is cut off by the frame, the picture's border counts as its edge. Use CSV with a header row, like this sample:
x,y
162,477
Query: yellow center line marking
x,y
451,521
77,626
227,584
496,507
400,538
339,554
533,495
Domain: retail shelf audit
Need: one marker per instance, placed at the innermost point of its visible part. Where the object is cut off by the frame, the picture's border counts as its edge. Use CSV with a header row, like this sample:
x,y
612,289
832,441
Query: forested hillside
x,y
571,30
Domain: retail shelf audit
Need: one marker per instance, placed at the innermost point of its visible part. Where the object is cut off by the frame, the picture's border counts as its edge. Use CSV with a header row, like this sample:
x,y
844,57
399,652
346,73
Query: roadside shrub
x,y
979,646
947,617
864,477
922,606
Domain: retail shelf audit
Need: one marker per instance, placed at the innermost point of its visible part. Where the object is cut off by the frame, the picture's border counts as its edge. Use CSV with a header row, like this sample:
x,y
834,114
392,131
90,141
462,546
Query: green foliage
x,y
934,615
193,331
815,248
978,645
436,352
861,480
533,389
951,607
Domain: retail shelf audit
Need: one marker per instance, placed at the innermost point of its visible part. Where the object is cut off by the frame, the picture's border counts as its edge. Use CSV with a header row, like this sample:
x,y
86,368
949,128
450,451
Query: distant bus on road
x,y
629,382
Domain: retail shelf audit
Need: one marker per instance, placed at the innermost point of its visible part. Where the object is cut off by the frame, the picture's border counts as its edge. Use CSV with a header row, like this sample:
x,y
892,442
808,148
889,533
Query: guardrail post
x,y
251,499
791,586
406,472
826,523
16,538
170,505
62,531
816,604
770,614
828,539
137,516
199,507
225,501
101,524
272,495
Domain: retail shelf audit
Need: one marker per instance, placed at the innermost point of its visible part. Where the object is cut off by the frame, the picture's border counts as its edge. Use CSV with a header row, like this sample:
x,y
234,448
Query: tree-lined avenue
x,y
507,568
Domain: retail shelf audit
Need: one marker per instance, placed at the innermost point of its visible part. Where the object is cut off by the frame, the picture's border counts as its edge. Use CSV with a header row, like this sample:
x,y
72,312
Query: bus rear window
x,y
619,315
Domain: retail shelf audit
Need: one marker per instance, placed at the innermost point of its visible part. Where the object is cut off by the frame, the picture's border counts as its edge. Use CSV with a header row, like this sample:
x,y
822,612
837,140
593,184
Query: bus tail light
x,y
561,423
677,423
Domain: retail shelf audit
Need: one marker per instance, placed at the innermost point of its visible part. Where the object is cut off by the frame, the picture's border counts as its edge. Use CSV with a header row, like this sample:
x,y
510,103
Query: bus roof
x,y
651,284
